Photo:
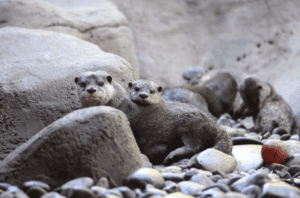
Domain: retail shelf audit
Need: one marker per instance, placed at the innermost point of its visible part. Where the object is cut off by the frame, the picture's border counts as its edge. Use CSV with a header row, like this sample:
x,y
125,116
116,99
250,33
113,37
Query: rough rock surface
x,y
92,142
37,86
98,22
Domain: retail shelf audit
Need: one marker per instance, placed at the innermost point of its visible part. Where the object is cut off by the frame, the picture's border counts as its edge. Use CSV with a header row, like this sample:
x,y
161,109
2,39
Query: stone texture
x,y
92,142
212,159
279,189
98,22
190,188
248,157
37,80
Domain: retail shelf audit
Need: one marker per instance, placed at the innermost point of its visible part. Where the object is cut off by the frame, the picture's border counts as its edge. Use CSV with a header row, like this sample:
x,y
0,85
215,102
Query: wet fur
x,y
168,131
268,109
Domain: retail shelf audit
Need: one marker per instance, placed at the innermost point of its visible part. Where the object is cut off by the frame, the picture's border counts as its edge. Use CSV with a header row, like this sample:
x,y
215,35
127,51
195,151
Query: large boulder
x,y
99,22
92,142
37,85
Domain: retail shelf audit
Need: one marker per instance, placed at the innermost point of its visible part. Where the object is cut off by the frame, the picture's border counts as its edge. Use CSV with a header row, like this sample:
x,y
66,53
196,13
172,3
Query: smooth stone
x,y
14,192
223,187
181,162
285,137
258,179
252,171
294,169
212,159
29,184
4,186
232,132
103,182
219,172
235,195
264,170
274,177
274,137
243,154
53,195
233,179
126,192
294,137
245,140
223,181
178,195
36,192
296,182
78,191
252,191
213,193
277,166
215,178
111,192
82,182
242,130
148,164
171,187
266,135
279,189
171,169
193,171
152,190
143,176
252,135
201,178
190,188
145,158
98,190
293,147
176,177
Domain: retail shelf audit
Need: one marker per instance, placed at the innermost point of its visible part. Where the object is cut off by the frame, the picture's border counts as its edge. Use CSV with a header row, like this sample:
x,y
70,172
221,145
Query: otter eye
x,y
136,89
82,84
101,84
152,92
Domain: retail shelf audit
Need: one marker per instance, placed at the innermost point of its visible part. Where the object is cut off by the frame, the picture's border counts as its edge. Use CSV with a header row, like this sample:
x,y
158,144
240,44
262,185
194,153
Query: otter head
x,y
195,75
253,91
144,92
94,88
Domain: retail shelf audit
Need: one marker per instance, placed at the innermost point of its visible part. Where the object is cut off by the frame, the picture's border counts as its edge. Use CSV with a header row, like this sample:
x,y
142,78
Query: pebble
x,y
144,157
171,187
178,195
4,186
252,135
225,120
279,189
82,182
212,159
126,192
13,192
258,178
285,137
53,195
274,136
143,176
98,190
245,140
252,191
112,192
294,169
266,135
202,179
294,137
183,162
223,187
176,177
154,191
248,157
190,188
293,148
232,132
171,169
29,184
215,178
77,191
148,164
36,192
235,195
103,182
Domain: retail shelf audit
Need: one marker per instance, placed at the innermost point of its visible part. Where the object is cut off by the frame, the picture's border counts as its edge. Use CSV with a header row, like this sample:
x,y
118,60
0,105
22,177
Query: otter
x,y
177,94
195,75
269,111
219,92
168,131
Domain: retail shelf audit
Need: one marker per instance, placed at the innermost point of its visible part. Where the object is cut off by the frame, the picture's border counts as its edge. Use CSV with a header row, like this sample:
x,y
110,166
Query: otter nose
x,y
91,90
143,95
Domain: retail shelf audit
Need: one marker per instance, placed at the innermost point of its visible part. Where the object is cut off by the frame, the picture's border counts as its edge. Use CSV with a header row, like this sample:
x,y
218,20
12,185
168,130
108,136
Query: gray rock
x,y
143,176
294,169
274,137
106,27
108,148
213,193
223,187
279,189
126,192
171,169
258,179
29,184
212,159
248,157
83,181
111,193
235,195
293,147
215,178
201,178
294,137
171,187
53,195
178,195
103,182
252,191
36,192
12,192
37,80
150,189
98,190
78,191
232,132
190,188
176,177
252,135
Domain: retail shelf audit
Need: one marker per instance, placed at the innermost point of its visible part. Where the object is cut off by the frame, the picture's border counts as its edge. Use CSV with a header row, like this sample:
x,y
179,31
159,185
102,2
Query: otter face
x,y
94,88
144,92
250,89
195,75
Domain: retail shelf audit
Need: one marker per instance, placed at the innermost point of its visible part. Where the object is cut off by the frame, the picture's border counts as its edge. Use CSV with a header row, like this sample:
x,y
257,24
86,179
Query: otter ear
x,y
159,89
109,79
76,80
130,84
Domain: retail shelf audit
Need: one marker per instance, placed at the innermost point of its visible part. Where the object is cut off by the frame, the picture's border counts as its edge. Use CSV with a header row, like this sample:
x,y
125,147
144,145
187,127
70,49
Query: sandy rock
x,y
243,154
212,159
37,80
97,139
99,22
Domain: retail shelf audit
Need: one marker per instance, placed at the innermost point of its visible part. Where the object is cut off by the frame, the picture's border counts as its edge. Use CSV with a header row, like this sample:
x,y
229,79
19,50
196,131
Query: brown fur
x,y
195,75
167,131
268,109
